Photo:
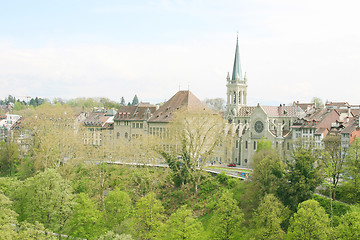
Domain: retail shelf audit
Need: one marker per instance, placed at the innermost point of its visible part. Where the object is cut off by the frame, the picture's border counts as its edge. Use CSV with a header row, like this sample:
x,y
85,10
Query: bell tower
x,y
236,87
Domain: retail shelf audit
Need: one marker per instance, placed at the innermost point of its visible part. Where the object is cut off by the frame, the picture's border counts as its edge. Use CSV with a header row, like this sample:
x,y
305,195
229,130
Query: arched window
x,y
234,98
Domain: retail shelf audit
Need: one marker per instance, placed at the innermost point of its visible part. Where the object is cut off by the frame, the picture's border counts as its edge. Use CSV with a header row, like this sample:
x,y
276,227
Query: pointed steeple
x,y
237,75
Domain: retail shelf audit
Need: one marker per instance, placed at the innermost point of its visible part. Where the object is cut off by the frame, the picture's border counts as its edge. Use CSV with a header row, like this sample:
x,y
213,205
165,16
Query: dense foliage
x,y
59,186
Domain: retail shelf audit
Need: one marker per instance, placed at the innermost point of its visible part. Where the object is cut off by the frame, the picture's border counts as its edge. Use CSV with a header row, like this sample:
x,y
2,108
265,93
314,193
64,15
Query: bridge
x,y
235,172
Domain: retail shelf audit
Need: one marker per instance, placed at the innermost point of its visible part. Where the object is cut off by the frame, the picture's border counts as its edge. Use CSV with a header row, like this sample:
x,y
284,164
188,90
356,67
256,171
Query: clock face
x,y
259,126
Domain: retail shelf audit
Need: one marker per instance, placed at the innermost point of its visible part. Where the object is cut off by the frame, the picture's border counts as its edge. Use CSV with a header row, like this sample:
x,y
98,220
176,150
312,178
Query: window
x,y
245,160
126,135
288,146
237,144
254,145
246,144
117,135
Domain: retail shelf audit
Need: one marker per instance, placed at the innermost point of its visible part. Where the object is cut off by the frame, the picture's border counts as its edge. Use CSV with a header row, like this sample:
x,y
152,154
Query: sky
x,y
290,50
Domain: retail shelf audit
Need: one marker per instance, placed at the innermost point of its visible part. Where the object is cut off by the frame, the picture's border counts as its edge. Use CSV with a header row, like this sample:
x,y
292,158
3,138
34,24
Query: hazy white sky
x,y
291,50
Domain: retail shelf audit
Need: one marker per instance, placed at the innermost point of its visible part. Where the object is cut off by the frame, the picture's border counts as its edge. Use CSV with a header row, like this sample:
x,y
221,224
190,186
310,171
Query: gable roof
x,y
134,112
180,100
282,111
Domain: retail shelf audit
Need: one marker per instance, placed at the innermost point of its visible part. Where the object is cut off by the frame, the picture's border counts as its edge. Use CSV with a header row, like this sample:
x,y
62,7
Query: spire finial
x,y
237,75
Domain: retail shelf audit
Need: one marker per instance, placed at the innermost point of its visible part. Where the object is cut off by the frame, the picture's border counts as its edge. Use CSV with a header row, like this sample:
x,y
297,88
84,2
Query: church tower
x,y
236,87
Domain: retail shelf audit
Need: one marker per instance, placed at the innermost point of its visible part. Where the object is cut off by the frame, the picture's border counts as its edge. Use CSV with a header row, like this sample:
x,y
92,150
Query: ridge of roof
x,y
181,99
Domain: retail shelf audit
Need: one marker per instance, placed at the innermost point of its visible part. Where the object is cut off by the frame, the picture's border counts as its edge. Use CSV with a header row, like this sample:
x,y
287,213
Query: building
x,y
99,127
132,121
253,123
7,122
283,125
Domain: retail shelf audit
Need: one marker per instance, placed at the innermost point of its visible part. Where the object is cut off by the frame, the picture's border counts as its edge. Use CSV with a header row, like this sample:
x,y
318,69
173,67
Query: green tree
x,y
333,162
113,236
268,218
318,102
148,216
9,158
118,206
181,225
193,136
227,218
34,232
46,198
264,144
7,219
86,219
349,227
122,102
18,106
135,100
303,177
309,222
352,168
267,178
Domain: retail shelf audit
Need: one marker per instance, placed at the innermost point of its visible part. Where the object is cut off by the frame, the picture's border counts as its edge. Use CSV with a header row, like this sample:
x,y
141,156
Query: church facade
x,y
252,123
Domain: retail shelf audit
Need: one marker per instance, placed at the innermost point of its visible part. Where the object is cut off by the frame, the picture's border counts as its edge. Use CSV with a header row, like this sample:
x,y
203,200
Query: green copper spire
x,y
237,75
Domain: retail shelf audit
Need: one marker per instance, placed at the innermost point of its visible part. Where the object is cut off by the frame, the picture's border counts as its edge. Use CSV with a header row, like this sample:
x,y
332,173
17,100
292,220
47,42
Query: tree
x,y
7,218
309,222
193,138
227,218
216,104
352,168
113,236
53,141
18,106
45,198
333,162
264,144
86,220
118,207
122,102
267,177
181,225
349,227
135,100
34,232
303,177
268,218
9,158
318,102
148,216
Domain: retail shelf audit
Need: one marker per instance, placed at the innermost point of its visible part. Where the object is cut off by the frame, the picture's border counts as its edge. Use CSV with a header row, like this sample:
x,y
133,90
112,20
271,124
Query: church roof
x,y
282,111
178,101
237,66
246,111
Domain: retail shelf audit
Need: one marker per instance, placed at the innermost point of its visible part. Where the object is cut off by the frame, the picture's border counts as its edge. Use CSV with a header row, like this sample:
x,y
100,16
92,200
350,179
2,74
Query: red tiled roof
x,y
96,119
282,111
134,112
180,100
246,111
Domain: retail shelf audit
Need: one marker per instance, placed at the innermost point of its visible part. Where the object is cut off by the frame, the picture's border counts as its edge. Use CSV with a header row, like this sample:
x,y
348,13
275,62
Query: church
x,y
252,123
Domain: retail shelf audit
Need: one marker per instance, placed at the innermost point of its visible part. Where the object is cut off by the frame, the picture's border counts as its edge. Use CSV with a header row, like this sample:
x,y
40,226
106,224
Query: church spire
x,y
237,75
